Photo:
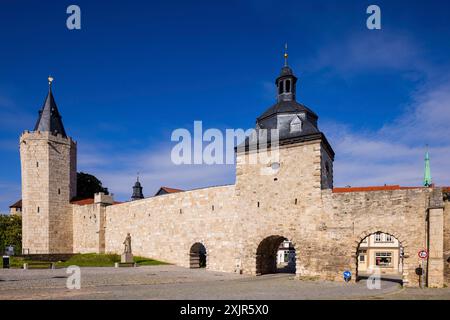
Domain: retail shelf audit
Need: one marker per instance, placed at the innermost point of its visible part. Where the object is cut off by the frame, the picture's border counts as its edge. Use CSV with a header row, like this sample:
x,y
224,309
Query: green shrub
x,y
11,233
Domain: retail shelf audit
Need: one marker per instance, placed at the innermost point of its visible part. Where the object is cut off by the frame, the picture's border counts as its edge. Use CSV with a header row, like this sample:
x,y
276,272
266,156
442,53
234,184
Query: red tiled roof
x,y
375,188
170,190
84,202
18,204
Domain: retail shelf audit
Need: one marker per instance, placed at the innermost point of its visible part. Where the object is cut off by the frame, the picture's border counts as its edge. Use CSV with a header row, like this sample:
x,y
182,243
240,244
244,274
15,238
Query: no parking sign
x,y
423,254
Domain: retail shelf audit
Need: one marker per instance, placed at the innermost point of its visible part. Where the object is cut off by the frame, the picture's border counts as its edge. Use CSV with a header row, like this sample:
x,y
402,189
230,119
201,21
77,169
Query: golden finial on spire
x,y
50,80
286,54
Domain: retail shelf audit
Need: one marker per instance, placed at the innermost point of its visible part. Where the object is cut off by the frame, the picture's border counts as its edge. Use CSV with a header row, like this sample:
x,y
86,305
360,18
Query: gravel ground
x,y
172,282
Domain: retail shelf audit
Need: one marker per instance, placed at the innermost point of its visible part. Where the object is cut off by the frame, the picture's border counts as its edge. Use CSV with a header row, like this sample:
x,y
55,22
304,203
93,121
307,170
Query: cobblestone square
x,y
173,282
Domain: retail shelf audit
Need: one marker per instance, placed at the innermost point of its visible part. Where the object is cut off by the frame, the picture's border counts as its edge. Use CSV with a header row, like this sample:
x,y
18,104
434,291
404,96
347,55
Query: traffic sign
x,y
347,274
423,254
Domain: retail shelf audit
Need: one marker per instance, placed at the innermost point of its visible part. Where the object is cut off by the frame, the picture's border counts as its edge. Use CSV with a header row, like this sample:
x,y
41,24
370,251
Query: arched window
x,y
280,87
288,86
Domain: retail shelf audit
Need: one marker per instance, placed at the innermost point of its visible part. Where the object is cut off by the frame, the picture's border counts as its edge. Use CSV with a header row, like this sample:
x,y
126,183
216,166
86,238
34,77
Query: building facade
x,y
382,251
16,208
286,255
238,227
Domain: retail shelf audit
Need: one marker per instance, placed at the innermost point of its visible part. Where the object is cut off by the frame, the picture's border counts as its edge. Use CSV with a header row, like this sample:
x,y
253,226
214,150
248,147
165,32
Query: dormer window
x,y
296,125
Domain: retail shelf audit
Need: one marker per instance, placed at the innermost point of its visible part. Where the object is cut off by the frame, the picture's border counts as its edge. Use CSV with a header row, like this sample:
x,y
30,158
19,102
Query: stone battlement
x,y
47,136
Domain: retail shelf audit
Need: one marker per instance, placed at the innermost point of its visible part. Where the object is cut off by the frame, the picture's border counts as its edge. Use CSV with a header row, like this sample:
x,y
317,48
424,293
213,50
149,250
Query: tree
x,y
88,185
11,232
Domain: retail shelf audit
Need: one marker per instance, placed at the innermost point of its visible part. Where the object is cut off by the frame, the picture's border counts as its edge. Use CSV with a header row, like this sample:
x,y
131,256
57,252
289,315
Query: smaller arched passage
x,y
275,254
380,253
197,256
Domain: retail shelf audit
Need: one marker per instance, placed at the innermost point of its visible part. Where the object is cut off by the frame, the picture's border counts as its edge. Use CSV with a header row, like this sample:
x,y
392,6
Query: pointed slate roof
x,y
286,107
49,118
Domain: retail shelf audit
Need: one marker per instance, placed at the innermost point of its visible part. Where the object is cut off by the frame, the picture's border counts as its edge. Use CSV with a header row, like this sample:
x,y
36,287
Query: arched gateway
x,y
272,256
197,256
381,254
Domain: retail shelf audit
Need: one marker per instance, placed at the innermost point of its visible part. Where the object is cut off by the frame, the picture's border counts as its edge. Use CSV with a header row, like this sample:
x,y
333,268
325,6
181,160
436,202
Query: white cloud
x,y
369,51
427,119
394,154
391,155
118,171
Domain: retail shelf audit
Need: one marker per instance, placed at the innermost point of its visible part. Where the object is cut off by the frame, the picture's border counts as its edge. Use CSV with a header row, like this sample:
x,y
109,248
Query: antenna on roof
x,y
286,54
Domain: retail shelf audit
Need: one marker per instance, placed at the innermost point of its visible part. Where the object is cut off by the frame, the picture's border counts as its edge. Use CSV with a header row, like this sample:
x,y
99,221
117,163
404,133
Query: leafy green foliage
x,y
88,185
11,232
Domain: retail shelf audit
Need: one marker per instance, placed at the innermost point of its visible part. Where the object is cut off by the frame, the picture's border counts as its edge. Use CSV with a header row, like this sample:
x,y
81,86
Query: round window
x,y
275,166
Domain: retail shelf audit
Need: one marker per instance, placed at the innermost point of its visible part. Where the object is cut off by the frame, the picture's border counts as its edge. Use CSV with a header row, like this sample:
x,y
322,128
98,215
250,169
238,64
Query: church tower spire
x,y
49,119
137,190
286,81
427,180
49,182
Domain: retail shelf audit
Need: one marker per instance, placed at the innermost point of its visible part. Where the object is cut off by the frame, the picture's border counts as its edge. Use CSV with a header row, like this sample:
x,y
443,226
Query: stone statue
x,y
127,256
127,244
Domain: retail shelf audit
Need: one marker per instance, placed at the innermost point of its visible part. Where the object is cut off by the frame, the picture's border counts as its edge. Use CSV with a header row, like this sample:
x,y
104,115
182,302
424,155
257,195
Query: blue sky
x,y
137,70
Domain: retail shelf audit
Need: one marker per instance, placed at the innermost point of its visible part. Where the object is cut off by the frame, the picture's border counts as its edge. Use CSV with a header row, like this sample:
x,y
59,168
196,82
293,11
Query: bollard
x,y
420,272
116,265
25,266
6,262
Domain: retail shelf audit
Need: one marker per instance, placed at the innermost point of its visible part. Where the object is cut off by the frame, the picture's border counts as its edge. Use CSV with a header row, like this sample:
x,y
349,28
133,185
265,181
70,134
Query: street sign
x,y
423,254
347,275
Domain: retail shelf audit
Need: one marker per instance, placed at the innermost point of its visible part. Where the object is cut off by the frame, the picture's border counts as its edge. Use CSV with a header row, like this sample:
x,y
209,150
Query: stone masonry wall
x,y
353,216
447,242
165,227
87,228
232,221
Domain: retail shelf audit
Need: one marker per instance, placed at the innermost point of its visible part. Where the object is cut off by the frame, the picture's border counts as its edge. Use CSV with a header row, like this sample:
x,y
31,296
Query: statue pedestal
x,y
126,257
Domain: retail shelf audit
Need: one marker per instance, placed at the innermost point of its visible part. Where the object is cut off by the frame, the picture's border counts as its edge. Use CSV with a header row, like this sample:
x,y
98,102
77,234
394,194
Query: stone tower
x,y
49,181
306,158
137,191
